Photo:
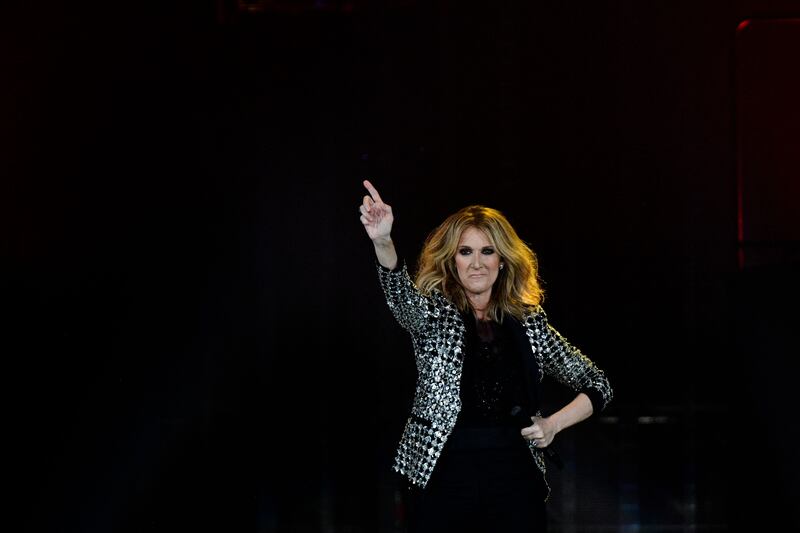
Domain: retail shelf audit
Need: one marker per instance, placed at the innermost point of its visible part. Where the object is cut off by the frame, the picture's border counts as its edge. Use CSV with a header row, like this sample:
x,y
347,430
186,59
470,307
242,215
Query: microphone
x,y
524,421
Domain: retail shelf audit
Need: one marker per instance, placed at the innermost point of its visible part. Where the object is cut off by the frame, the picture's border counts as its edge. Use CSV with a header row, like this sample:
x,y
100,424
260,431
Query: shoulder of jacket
x,y
534,311
441,302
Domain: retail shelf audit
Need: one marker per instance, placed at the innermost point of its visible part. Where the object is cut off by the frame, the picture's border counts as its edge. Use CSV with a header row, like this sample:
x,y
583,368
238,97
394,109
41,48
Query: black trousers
x,y
484,481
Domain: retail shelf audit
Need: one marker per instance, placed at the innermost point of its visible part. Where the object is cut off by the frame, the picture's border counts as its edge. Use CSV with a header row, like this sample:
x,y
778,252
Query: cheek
x,y
462,266
492,263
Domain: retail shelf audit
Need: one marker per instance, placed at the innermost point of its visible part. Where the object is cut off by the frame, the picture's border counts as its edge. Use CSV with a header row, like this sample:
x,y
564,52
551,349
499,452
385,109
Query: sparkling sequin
x,y
437,331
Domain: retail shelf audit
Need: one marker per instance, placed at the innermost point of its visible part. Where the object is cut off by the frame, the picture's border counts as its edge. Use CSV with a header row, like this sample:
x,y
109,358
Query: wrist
x,y
383,242
555,422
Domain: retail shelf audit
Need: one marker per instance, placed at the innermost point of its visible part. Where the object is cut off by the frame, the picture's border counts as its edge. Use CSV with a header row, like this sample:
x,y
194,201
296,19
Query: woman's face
x,y
477,262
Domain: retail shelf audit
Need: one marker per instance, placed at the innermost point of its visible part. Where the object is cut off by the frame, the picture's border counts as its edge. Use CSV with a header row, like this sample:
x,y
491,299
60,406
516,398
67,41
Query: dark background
x,y
195,335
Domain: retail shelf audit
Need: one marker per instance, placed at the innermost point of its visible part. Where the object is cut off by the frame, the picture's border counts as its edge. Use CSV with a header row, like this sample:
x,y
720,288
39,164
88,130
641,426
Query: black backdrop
x,y
196,337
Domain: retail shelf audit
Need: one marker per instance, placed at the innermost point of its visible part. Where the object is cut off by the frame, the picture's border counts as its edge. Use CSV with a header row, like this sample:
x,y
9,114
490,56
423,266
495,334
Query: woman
x,y
482,345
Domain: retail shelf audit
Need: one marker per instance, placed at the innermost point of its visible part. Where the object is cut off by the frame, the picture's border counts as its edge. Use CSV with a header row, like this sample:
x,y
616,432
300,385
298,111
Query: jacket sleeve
x,y
565,363
409,306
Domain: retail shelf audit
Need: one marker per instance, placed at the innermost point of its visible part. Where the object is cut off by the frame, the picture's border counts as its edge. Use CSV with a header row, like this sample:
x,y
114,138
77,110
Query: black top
x,y
492,378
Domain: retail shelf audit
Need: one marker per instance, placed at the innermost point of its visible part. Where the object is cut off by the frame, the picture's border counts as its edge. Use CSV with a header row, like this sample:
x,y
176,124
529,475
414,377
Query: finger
x,y
367,202
372,191
531,429
366,217
533,432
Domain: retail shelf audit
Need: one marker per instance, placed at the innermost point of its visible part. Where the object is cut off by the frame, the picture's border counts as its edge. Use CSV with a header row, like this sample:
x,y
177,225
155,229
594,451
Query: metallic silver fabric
x,y
437,331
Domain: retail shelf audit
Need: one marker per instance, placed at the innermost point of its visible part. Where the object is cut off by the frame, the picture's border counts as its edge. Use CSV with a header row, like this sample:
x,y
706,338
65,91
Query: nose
x,y
476,261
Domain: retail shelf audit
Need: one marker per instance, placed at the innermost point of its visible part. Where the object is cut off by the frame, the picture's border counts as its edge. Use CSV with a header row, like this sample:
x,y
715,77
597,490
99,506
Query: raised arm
x,y
407,304
377,219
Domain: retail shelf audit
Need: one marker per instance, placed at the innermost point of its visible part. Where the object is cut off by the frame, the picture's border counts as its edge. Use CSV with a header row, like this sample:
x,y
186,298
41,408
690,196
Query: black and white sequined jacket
x,y
438,335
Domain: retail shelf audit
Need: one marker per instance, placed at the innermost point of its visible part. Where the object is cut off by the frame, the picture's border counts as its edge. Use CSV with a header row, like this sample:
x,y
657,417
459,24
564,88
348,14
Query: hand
x,y
543,431
375,215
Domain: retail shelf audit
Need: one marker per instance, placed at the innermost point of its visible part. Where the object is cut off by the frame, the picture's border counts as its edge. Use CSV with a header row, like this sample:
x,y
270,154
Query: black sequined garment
x,y
492,380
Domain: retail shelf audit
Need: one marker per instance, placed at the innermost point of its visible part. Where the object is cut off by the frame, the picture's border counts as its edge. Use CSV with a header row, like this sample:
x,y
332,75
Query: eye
x,y
465,251
487,251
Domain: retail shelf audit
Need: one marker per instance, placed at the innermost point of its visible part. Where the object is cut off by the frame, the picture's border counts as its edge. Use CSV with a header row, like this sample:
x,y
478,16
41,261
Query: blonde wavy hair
x,y
517,286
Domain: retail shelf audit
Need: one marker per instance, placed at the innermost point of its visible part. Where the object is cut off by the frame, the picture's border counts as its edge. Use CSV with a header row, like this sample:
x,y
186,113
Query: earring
x,y
501,266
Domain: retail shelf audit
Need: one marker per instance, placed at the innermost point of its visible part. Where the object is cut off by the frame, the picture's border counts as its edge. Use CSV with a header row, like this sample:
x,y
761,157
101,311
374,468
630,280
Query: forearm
x,y
575,411
385,252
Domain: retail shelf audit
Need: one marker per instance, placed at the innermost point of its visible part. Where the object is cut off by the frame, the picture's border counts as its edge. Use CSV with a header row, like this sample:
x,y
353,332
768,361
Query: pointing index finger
x,y
372,191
